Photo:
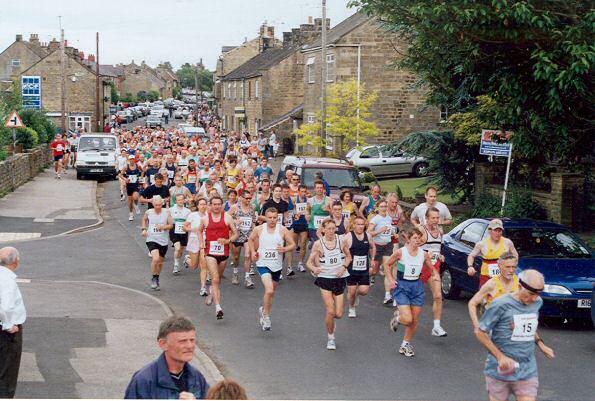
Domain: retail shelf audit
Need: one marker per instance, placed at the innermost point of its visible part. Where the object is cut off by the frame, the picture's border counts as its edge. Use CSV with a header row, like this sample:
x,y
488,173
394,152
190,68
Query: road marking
x,y
29,371
43,220
6,237
23,280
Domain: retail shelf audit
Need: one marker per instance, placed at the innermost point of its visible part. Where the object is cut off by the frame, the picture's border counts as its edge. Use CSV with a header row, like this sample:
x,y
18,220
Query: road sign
x,y
14,121
495,143
31,91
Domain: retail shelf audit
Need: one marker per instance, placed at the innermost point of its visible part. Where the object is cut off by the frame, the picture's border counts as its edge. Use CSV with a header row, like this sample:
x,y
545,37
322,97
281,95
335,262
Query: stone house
x,y
269,85
359,47
141,78
21,55
169,77
80,84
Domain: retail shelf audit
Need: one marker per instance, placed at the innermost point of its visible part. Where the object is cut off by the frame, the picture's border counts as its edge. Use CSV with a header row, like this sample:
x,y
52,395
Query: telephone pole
x,y
63,78
98,102
323,74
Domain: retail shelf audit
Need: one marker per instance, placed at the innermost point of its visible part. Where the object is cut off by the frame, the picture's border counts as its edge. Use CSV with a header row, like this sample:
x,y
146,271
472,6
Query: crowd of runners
x,y
218,204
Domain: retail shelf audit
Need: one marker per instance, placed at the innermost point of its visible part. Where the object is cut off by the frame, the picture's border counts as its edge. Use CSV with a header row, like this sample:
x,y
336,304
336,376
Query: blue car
x,y
566,262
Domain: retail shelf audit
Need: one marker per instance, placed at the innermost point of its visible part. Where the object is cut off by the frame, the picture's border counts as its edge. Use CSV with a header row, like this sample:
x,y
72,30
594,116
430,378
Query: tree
x,y
187,77
534,58
114,93
128,98
142,96
344,123
153,95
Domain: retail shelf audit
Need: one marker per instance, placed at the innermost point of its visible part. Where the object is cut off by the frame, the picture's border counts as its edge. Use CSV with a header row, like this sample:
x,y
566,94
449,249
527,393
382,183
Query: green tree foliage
x,y
344,122
114,93
142,96
153,95
187,78
37,121
450,161
534,58
177,92
128,98
27,137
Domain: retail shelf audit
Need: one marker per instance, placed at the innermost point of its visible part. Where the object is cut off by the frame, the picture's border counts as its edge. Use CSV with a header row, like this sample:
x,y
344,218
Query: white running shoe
x,y
290,272
267,324
352,312
387,299
301,267
176,270
261,316
439,332
137,209
130,217
252,272
187,261
330,344
122,197
248,283
203,292
235,279
407,350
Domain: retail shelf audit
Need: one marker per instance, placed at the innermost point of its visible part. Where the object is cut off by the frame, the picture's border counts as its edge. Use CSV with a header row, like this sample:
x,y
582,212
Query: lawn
x,y
411,186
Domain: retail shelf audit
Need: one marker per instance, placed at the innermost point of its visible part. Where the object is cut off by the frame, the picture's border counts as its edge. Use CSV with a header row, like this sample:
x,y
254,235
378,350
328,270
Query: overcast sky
x,y
177,31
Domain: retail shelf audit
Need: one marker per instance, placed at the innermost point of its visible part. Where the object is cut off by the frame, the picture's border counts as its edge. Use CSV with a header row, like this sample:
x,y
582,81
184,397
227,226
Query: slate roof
x,y
225,49
339,30
106,70
279,120
262,61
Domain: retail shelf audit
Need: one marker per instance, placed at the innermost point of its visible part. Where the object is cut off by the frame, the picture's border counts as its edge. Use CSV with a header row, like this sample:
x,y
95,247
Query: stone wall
x,y
20,168
400,108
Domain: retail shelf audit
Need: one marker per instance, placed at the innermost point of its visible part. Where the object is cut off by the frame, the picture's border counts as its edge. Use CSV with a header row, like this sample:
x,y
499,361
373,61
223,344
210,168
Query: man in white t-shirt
x,y
418,216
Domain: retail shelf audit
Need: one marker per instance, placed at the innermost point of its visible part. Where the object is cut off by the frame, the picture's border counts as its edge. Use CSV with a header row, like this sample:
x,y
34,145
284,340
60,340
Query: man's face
x,y
216,205
507,268
285,193
180,201
330,229
158,182
277,193
266,186
319,189
382,208
360,226
496,234
264,163
179,346
415,239
431,197
246,198
433,218
272,219
376,191
392,203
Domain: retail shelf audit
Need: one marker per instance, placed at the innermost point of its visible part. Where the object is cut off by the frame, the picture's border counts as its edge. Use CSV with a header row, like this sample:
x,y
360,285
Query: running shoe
x,y
439,332
203,292
219,314
407,350
394,322
352,312
122,197
267,324
130,217
235,279
252,272
176,270
208,281
290,272
387,299
137,209
187,261
372,280
155,284
330,344
281,277
261,316
248,283
59,177
301,267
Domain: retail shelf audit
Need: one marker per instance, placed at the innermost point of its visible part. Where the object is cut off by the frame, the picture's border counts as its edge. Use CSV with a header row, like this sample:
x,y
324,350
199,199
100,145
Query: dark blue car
x,y
566,262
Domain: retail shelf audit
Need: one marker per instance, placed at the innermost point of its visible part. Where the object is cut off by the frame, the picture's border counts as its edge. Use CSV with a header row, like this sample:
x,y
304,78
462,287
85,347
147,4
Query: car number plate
x,y
584,303
96,170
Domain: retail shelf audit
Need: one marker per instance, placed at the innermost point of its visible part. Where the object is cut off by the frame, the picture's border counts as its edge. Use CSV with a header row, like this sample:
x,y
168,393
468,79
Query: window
x,y
229,90
256,89
311,119
330,67
242,90
443,114
235,90
224,91
78,121
473,233
15,63
370,153
249,89
311,72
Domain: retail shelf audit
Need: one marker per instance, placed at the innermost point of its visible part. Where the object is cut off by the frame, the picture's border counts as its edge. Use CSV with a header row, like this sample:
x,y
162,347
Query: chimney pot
x,y
19,38
310,20
91,58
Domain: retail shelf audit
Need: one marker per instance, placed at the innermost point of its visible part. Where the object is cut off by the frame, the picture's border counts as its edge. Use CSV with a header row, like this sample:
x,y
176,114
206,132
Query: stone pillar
x,y
568,190
484,177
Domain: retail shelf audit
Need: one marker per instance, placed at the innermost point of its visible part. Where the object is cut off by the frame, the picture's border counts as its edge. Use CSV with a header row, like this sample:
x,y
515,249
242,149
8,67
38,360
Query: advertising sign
x,y
495,143
31,92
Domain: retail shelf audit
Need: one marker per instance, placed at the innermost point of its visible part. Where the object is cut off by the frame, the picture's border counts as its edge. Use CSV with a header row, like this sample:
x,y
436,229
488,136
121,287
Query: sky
x,y
177,31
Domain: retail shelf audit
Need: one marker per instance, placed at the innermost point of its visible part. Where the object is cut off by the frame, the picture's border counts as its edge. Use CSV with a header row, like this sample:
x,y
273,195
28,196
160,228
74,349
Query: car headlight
x,y
556,289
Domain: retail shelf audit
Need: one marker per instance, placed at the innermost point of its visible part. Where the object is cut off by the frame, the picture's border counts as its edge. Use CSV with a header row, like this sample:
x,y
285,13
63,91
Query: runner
x,y
300,225
245,217
121,164
397,216
177,235
191,176
267,244
507,282
318,210
156,223
490,250
328,261
350,209
197,257
361,248
369,202
220,231
508,330
179,189
131,174
153,190
409,290
432,244
419,213
288,223
380,229
58,148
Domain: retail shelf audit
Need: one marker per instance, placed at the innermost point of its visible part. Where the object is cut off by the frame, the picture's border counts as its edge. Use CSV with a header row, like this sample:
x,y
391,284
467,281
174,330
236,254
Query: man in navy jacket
x,y
171,375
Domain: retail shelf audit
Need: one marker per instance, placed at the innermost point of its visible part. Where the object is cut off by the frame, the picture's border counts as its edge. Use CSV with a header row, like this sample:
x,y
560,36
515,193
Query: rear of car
x,y
153,121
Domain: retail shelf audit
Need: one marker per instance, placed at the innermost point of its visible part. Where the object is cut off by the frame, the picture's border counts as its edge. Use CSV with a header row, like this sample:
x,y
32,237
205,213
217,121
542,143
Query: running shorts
x,y
383,250
181,238
276,276
131,189
410,293
362,279
153,245
334,285
501,390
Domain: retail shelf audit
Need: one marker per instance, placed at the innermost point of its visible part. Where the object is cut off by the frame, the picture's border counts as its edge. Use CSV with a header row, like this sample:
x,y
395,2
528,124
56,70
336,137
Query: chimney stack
x,y
91,58
34,39
82,55
318,24
53,45
19,38
266,37
310,20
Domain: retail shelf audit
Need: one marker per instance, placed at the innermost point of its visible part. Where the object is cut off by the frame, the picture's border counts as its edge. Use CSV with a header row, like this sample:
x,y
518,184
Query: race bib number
x,y
231,179
386,234
133,179
152,179
332,259
179,228
153,229
254,154
360,263
346,215
289,220
216,248
318,220
412,271
192,179
171,173
280,218
435,256
493,269
301,208
245,223
59,148
270,255
525,326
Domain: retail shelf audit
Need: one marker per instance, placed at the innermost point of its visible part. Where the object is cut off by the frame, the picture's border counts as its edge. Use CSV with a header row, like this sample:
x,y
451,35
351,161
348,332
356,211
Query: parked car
x,y
126,116
178,113
566,262
387,160
153,121
339,174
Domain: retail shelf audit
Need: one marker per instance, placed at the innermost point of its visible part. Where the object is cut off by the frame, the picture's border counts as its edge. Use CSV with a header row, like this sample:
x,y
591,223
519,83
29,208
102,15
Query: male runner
x,y
153,190
177,235
58,148
156,224
121,163
318,209
243,213
369,202
419,212
131,174
267,247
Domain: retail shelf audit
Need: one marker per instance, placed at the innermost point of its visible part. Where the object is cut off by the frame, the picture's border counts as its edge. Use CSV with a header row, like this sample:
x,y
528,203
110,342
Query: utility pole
x,y
63,78
323,74
98,101
196,94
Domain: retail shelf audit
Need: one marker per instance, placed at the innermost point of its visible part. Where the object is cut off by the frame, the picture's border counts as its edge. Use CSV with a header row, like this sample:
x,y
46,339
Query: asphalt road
x,y
291,361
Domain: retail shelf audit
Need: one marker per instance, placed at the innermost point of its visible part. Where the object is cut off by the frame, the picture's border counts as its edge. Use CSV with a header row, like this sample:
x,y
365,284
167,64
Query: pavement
x,y
45,206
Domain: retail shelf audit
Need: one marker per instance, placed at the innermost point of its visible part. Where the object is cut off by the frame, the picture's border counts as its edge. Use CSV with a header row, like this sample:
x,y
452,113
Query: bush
x,y
367,178
519,204
28,137
3,153
399,192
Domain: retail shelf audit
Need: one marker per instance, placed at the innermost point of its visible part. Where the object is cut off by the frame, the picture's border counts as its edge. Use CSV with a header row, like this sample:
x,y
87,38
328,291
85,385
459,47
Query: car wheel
x,y
449,287
420,169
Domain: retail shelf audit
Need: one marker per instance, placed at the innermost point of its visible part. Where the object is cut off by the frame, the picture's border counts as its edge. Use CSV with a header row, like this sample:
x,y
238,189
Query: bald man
x,y
12,317
508,330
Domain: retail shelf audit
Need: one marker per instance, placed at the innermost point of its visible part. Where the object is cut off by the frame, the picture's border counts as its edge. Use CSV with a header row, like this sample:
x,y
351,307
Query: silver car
x,y
387,160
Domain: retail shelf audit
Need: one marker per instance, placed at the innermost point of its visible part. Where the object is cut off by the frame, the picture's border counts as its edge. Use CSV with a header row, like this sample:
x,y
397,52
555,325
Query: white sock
x,y
331,336
436,324
236,270
386,294
247,274
176,262
218,307
404,343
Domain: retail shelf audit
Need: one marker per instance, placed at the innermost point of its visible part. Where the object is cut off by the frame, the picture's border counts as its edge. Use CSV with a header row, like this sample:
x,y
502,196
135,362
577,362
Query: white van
x,y
96,155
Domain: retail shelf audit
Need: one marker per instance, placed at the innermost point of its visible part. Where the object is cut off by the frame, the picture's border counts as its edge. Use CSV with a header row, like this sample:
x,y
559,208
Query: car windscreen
x,y
97,143
547,243
338,178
